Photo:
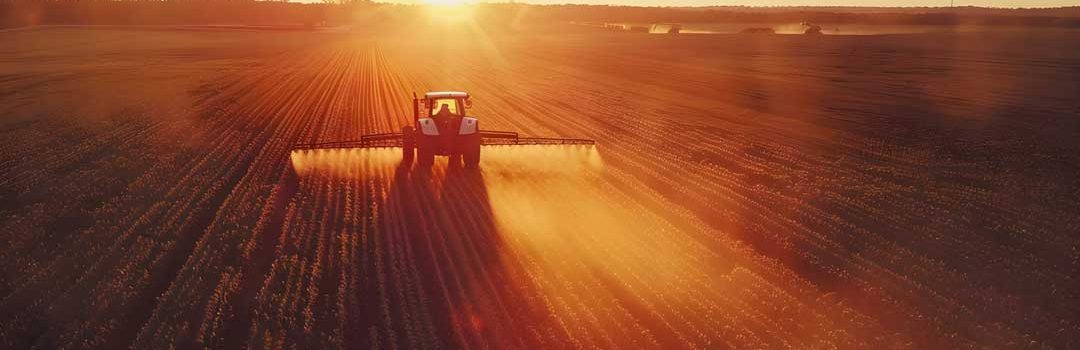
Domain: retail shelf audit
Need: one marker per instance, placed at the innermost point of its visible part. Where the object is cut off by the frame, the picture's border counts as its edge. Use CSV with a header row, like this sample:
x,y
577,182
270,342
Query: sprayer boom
x,y
441,127
487,138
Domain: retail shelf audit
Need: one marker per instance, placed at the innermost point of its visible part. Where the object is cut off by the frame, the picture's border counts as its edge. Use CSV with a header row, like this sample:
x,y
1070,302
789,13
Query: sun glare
x,y
453,11
445,2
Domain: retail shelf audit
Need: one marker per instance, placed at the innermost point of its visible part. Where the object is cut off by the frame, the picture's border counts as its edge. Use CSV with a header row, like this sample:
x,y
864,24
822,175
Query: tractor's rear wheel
x,y
408,144
425,151
471,152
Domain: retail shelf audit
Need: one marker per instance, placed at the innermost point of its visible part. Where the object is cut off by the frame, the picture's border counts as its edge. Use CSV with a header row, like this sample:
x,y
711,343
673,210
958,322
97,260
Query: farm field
x,y
901,191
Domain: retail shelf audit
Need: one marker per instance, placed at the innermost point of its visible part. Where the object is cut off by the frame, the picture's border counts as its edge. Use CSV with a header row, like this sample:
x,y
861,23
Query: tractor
x,y
441,127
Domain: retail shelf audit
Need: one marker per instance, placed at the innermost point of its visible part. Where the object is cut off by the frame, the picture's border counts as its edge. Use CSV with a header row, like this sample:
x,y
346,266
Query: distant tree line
x,y
15,13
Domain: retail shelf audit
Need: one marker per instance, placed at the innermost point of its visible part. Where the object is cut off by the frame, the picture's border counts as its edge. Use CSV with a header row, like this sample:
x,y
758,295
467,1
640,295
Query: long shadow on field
x,y
429,265
448,284
423,236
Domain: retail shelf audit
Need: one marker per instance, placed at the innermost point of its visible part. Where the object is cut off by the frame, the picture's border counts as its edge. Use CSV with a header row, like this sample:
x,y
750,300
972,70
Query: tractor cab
x,y
442,103
442,113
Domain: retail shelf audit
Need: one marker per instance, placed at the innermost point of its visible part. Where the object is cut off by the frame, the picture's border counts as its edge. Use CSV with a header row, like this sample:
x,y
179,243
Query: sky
x,y
907,3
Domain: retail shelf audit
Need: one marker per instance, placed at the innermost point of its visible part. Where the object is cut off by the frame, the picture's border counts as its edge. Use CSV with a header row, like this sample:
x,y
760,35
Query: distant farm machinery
x,y
441,128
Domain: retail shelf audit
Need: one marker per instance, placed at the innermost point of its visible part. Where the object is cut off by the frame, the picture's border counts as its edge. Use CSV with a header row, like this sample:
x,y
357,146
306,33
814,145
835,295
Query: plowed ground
x,y
746,192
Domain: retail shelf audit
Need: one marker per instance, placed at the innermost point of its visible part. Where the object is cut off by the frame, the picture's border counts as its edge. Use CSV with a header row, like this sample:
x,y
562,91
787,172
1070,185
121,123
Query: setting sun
x,y
450,11
444,2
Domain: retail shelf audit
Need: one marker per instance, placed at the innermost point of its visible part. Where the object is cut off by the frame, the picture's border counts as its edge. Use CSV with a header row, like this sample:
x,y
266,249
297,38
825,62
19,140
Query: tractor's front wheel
x,y
471,153
408,144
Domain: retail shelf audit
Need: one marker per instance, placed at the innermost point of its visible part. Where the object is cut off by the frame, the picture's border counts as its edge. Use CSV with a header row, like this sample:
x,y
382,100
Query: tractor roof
x,y
446,94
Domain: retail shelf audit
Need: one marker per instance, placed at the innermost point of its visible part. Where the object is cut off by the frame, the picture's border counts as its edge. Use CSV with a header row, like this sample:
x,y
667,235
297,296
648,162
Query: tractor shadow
x,y
443,237
424,252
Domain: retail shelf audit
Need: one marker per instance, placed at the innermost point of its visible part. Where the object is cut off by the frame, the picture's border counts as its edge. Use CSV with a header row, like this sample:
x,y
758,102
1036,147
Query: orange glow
x,y
346,163
745,191
562,231
496,161
566,229
451,11
444,2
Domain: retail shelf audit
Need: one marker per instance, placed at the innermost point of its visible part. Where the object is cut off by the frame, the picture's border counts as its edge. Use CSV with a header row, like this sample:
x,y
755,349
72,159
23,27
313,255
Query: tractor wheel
x,y
471,151
425,151
408,144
